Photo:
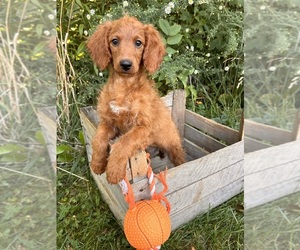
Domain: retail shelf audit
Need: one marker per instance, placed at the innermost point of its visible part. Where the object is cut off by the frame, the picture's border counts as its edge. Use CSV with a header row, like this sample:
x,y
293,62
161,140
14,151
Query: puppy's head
x,y
127,44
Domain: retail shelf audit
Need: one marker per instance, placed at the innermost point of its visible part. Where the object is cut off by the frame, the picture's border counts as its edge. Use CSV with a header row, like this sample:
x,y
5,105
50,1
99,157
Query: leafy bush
x,y
204,45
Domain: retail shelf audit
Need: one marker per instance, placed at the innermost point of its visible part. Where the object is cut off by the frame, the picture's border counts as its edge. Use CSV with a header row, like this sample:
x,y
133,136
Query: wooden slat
x,y
272,173
214,129
168,99
262,132
296,128
178,111
202,140
193,150
252,145
47,120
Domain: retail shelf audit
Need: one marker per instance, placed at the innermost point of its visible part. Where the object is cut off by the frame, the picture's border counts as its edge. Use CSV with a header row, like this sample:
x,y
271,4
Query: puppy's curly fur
x,y
128,105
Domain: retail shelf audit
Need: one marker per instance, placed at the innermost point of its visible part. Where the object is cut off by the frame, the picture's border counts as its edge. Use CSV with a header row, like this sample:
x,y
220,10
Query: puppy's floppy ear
x,y
154,49
98,45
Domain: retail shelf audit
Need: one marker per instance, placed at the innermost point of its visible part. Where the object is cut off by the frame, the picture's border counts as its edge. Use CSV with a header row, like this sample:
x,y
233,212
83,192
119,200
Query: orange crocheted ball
x,y
147,225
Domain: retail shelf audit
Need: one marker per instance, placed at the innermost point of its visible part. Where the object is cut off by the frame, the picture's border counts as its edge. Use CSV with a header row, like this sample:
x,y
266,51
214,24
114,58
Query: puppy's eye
x,y
138,43
115,42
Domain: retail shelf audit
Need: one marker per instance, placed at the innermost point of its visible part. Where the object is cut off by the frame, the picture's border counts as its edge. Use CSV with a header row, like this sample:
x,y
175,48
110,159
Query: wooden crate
x,y
272,162
212,174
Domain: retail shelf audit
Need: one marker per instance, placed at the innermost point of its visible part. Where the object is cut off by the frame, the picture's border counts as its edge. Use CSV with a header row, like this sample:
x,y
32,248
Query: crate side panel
x,y
206,203
205,187
262,132
191,172
272,173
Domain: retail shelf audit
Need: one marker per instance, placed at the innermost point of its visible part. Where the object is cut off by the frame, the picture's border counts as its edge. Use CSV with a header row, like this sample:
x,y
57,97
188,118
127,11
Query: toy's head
x,y
147,225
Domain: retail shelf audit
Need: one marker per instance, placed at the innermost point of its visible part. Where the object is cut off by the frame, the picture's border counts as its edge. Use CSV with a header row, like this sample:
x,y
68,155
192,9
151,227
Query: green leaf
x,y
14,157
174,30
81,137
38,48
174,39
80,29
65,157
79,3
63,148
164,26
170,50
39,29
8,148
183,78
37,3
80,48
40,137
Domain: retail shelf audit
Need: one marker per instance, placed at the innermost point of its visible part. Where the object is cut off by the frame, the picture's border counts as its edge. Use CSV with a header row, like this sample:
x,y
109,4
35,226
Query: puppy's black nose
x,y
125,64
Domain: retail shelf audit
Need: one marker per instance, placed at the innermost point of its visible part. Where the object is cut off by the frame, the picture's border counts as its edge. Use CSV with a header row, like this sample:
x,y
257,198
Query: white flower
x,y
85,32
187,47
208,55
92,12
272,68
190,2
168,10
125,4
46,32
262,7
226,68
187,30
171,5
100,74
88,16
220,7
51,16
192,48
196,72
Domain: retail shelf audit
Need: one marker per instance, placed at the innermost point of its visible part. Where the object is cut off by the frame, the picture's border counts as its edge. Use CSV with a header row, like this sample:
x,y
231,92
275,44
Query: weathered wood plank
x,y
262,132
202,140
206,203
168,99
270,170
47,120
296,127
178,111
252,145
203,186
214,129
193,150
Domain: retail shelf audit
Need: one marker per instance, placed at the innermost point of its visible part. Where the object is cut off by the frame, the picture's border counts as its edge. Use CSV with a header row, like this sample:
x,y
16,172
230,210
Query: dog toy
x,y
147,223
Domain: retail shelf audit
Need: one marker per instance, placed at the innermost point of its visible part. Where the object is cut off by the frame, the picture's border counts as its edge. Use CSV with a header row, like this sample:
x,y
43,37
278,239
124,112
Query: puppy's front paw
x,y
98,167
116,170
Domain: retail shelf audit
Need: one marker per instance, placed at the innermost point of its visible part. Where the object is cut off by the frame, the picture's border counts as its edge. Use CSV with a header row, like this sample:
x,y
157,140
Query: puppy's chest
x,y
122,115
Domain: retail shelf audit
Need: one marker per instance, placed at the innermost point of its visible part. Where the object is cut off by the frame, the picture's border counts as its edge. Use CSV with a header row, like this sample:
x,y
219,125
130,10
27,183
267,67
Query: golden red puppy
x,y
129,105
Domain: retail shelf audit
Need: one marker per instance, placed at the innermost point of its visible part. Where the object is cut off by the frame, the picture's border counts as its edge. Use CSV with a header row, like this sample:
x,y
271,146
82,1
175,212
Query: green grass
x,y
275,225
84,221
27,193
